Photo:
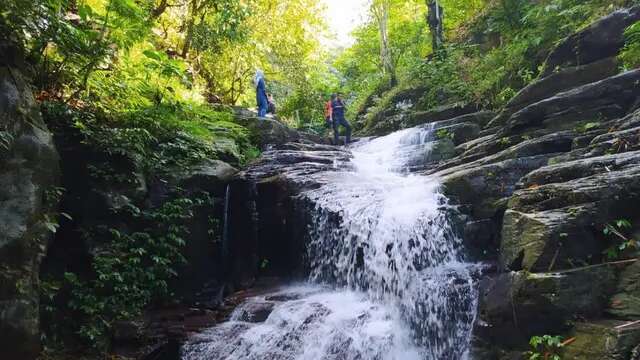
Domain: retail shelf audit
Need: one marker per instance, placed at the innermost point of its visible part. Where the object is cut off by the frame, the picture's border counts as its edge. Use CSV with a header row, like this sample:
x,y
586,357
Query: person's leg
x,y
347,127
336,137
262,107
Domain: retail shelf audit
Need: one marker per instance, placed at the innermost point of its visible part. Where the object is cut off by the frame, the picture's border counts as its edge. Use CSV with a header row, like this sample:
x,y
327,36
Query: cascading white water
x,y
390,280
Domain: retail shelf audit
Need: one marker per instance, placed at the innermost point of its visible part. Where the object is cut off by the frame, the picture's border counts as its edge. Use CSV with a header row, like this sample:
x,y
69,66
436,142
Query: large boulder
x,y
555,220
266,132
517,305
444,112
555,83
603,340
607,99
600,40
267,221
383,125
29,173
481,186
625,304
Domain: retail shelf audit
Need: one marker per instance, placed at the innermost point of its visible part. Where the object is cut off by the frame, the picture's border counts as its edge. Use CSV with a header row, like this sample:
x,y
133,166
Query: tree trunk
x,y
381,13
191,18
435,20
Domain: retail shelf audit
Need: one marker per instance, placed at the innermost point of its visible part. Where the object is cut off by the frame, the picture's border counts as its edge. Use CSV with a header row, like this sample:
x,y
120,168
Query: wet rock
x,y
29,173
209,176
441,150
253,311
616,142
440,113
480,118
481,186
602,340
607,99
480,238
515,306
555,83
600,40
556,219
267,221
385,124
547,240
459,133
265,132
625,304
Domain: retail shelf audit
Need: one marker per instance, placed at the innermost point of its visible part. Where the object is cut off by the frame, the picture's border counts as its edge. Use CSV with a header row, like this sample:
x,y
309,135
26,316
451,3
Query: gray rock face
x,y
265,132
607,99
555,83
625,304
540,182
558,217
28,176
405,119
604,339
600,40
267,221
208,176
515,306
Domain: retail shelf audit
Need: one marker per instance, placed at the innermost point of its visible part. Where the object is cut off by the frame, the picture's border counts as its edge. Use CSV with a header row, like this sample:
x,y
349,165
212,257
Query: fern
x,y
630,55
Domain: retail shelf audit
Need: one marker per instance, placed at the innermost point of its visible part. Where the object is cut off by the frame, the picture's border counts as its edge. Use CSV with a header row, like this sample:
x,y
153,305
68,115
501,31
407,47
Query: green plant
x,y
630,55
444,134
504,141
546,347
588,126
622,240
133,271
5,140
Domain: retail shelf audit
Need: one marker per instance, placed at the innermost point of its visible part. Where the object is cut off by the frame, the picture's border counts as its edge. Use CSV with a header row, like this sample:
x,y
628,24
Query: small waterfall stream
x,y
387,277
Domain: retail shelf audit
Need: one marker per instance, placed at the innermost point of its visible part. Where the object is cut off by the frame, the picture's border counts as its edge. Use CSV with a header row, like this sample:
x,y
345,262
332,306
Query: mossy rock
x,y
602,340
625,304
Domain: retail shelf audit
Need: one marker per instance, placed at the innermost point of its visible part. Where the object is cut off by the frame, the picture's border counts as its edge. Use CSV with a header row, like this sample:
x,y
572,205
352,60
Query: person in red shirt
x,y
328,111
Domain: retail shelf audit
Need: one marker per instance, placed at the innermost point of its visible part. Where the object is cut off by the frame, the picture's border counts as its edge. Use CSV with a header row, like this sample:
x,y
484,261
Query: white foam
x,y
382,241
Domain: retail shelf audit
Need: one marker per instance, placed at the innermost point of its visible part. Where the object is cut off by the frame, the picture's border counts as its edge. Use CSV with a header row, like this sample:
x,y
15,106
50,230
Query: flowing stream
x,y
387,277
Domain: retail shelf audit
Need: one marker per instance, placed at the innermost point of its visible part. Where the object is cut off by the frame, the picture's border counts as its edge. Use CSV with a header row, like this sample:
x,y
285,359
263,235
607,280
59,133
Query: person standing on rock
x,y
261,93
337,114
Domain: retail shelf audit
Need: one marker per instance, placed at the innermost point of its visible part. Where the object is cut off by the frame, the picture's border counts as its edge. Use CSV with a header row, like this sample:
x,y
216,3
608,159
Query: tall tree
x,y
435,19
380,10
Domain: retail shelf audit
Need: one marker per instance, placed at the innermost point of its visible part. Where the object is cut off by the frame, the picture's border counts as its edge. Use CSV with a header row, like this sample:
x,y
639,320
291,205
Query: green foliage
x,y
587,126
623,241
442,75
546,347
444,134
157,138
133,271
6,139
527,31
485,63
630,55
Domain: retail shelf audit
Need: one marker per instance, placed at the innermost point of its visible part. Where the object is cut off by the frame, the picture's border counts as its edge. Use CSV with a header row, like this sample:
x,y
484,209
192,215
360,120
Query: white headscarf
x,y
259,75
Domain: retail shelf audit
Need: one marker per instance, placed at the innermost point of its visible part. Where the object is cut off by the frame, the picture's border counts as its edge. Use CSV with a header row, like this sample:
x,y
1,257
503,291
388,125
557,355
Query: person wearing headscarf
x,y
261,93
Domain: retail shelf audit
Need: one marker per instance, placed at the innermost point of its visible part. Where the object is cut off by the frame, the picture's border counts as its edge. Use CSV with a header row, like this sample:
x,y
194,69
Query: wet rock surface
x,y
533,188
29,175
602,39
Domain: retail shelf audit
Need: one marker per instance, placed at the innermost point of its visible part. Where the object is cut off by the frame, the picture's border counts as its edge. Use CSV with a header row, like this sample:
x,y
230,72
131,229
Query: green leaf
x,y
154,55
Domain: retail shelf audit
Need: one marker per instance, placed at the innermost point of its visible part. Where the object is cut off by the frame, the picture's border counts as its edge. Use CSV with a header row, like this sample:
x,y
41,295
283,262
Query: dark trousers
x,y
263,105
337,122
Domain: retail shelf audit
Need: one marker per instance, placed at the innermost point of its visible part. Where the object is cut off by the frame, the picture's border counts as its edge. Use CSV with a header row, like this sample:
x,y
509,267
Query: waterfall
x,y
387,277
